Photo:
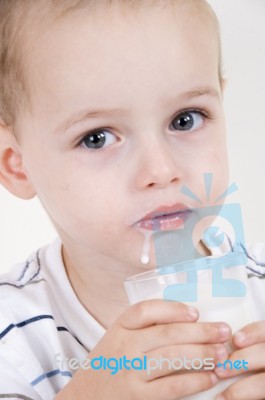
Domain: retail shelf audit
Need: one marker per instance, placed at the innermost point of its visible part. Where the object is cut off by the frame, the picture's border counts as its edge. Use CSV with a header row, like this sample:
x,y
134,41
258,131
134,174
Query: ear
x,y
12,173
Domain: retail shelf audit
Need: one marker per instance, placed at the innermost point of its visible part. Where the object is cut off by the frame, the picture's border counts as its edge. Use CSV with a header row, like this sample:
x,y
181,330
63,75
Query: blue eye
x,y
98,139
188,121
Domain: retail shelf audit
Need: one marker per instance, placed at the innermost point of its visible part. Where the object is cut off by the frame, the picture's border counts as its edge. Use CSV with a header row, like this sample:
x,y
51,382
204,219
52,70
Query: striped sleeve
x,y
256,260
256,275
13,385
32,333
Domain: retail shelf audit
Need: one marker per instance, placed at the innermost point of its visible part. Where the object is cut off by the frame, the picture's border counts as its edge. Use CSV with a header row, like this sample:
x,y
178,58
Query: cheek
x,y
81,204
209,171
220,170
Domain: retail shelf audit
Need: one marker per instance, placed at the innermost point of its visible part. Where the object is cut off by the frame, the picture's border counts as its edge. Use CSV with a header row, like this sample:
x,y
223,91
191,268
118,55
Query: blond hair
x,y
19,21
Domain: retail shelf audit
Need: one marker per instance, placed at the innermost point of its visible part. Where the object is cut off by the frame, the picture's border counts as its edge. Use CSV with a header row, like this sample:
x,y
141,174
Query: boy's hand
x,y
250,346
152,328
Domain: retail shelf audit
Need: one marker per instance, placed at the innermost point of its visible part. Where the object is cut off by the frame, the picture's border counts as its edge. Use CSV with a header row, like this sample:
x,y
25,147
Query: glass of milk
x,y
216,286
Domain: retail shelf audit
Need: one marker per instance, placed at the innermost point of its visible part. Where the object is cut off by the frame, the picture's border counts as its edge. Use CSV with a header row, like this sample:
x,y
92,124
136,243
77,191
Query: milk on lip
x,y
172,222
145,256
151,209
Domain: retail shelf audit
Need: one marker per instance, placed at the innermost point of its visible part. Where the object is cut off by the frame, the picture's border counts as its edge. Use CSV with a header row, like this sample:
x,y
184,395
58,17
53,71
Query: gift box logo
x,y
220,228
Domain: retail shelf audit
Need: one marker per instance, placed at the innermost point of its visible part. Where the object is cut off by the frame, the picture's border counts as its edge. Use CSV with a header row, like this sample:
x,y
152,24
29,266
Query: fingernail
x,y
219,397
193,312
225,331
240,337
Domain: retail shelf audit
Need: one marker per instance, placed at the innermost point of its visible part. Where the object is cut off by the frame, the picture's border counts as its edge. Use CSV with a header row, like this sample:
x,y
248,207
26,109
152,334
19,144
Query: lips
x,y
165,218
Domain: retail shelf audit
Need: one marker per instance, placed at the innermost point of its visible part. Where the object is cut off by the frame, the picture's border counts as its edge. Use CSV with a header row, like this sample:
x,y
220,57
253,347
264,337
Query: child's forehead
x,y
114,14
156,23
49,23
86,61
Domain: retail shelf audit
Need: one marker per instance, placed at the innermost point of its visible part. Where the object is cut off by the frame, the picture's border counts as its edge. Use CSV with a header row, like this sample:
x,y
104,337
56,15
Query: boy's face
x,y
148,84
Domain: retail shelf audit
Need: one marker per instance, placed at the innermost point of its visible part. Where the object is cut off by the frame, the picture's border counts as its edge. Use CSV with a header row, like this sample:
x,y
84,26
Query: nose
x,y
157,165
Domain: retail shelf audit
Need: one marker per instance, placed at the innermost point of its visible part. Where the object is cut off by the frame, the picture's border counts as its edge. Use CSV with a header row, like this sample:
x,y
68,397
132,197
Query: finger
x,y
245,360
151,312
176,386
250,334
182,333
250,388
175,359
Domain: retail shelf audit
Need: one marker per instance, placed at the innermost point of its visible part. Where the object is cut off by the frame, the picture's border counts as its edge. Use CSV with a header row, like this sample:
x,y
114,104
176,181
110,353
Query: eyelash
x,y
204,114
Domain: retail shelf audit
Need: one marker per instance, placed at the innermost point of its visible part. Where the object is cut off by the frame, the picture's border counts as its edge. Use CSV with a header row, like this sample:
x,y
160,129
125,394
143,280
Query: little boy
x,y
107,109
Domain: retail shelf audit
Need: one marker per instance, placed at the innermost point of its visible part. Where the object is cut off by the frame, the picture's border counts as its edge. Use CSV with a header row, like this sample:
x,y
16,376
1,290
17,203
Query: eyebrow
x,y
207,91
86,114
104,112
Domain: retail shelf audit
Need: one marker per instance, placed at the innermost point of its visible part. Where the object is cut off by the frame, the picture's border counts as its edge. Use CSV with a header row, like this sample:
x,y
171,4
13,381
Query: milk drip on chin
x,y
145,256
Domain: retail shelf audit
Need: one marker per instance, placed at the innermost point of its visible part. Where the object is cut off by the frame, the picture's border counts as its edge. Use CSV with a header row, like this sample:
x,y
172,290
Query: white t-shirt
x,y
42,322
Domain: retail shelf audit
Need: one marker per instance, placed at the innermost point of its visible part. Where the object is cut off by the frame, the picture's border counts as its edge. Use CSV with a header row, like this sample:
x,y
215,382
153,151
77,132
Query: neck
x,y
98,286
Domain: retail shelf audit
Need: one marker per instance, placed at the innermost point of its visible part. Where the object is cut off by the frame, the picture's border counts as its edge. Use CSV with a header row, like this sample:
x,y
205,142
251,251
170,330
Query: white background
x,y
24,225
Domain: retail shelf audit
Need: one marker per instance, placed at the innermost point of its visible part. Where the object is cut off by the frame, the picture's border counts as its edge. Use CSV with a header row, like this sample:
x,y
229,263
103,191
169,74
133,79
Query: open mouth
x,y
164,221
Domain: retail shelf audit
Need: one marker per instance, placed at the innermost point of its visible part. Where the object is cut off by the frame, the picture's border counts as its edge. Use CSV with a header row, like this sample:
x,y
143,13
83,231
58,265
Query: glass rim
x,y
231,259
